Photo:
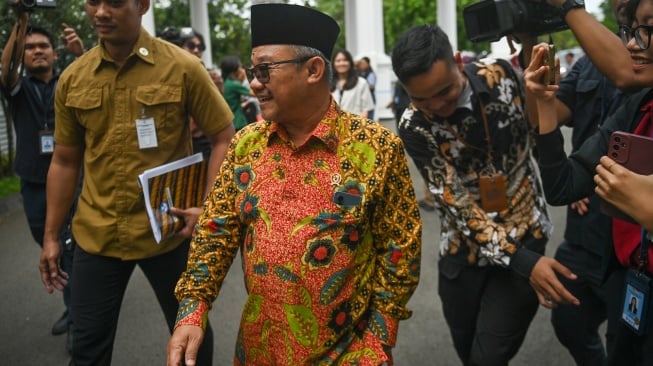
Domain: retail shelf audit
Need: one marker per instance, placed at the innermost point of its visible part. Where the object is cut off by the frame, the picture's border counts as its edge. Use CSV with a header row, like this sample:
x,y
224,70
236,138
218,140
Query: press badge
x,y
146,130
636,301
46,142
492,189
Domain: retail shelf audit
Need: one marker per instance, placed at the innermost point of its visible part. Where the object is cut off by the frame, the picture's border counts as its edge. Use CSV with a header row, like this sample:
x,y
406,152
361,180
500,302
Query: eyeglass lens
x,y
260,72
642,36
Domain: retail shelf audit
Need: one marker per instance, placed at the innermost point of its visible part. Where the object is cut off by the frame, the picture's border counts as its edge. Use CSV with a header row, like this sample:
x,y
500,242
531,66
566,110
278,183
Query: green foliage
x,y
9,185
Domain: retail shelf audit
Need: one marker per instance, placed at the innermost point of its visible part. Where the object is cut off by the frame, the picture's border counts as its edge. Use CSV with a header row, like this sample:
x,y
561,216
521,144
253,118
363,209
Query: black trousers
x,y
577,327
488,310
100,283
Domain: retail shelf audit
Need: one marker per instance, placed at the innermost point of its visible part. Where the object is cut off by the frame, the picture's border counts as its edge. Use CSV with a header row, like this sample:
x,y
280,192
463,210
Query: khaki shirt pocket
x,y
87,104
164,104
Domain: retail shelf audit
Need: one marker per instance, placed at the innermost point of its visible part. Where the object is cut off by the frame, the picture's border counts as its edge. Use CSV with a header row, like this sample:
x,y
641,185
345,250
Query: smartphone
x,y
551,62
633,152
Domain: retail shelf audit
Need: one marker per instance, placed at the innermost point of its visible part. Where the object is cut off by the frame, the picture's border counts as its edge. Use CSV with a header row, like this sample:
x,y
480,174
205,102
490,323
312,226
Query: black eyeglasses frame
x,y
626,34
262,71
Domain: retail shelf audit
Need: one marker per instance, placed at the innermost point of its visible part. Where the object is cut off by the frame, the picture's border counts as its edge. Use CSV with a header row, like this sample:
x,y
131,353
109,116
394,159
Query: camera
x,y
489,20
31,4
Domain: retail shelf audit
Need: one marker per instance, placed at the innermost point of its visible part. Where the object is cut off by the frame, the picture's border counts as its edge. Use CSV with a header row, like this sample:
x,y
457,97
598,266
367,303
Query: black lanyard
x,y
46,106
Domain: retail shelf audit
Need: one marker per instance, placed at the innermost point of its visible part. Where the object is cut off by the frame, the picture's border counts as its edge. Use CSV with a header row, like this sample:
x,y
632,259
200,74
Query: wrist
x,y
569,5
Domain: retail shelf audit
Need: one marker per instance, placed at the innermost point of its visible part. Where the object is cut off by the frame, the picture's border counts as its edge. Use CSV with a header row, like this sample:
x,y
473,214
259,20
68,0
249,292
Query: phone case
x,y
633,152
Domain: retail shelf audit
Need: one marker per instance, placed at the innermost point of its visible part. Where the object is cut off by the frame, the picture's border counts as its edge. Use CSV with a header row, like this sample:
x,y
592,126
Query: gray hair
x,y
305,51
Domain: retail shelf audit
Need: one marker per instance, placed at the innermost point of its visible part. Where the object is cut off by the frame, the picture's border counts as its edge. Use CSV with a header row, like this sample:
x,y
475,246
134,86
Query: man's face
x,y
642,59
281,97
117,21
436,91
39,55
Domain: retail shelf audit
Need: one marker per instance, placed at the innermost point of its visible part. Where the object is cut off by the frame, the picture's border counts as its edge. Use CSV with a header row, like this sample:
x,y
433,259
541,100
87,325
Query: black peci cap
x,y
295,25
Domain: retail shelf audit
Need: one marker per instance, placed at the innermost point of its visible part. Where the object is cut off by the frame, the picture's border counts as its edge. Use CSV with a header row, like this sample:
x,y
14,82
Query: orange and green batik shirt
x,y
330,238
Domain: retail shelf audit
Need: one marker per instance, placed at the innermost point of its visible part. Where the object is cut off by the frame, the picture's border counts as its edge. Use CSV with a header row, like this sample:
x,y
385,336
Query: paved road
x,y
27,311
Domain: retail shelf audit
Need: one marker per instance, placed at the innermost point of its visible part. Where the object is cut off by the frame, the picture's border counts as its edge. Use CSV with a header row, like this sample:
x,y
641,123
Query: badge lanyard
x,y
46,135
637,295
492,187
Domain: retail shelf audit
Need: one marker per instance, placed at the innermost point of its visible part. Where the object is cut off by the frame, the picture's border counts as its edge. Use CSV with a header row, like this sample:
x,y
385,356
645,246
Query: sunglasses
x,y
641,33
192,46
262,71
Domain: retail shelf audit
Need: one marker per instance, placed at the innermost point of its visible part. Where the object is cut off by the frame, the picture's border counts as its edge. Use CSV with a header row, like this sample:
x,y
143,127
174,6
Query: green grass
x,y
9,185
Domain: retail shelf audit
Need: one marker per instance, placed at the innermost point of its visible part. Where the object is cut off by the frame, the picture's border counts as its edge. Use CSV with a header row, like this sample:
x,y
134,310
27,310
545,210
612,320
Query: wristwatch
x,y
570,4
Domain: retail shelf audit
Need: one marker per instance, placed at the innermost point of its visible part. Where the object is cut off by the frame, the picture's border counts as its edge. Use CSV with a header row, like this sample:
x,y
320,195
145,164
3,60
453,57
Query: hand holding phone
x,y
634,153
550,60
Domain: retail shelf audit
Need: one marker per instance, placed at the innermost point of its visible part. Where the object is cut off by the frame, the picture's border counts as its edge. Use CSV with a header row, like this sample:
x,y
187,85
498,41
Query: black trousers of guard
x,y
100,283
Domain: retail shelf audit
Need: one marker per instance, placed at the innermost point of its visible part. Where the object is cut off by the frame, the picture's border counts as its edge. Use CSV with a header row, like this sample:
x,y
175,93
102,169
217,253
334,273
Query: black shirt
x,y
31,105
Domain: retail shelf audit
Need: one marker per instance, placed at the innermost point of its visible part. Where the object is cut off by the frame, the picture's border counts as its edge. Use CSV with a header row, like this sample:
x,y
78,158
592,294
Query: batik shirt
x,y
452,154
329,234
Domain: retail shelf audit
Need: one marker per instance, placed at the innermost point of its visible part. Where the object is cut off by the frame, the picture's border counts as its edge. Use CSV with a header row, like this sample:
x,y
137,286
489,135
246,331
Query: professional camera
x,y
489,20
31,4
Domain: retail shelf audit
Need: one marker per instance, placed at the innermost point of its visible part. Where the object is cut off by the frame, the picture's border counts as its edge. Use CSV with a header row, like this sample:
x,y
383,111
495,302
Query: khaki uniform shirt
x,y
96,106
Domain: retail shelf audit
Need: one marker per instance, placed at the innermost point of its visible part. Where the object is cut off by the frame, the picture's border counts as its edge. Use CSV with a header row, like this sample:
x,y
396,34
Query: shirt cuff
x,y
193,312
523,261
550,148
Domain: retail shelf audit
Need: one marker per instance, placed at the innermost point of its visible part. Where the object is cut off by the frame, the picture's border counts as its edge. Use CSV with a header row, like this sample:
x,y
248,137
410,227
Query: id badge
x,y
146,131
46,142
634,312
492,189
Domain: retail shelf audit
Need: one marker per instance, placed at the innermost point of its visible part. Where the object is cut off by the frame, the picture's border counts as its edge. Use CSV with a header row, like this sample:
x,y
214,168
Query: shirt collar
x,y
326,130
143,49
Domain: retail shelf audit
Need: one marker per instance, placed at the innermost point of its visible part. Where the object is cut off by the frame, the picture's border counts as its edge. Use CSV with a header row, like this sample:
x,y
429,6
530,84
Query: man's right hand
x,y
184,345
51,273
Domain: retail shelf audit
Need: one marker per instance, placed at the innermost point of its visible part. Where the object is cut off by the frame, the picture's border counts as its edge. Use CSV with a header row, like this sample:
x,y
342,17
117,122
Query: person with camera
x,y
584,100
31,105
122,108
567,179
469,135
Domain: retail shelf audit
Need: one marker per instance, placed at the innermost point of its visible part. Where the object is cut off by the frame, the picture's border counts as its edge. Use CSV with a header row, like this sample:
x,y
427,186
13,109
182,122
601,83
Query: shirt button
x,y
143,51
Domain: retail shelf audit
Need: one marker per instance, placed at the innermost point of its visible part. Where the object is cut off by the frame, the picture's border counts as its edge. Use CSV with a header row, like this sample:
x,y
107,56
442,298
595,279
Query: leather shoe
x,y
61,325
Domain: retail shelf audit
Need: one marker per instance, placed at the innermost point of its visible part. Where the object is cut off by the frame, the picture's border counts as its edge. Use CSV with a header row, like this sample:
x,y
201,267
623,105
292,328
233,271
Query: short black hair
x,y
418,49
32,29
228,65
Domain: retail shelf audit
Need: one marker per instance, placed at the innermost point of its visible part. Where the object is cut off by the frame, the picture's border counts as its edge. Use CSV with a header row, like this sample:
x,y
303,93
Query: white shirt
x,y
357,100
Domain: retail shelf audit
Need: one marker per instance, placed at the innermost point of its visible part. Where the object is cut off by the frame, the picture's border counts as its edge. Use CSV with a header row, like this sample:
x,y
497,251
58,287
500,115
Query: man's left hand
x,y
190,216
71,40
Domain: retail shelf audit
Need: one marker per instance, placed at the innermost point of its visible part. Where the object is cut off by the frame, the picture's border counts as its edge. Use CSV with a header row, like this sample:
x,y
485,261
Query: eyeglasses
x,y
642,34
192,46
262,71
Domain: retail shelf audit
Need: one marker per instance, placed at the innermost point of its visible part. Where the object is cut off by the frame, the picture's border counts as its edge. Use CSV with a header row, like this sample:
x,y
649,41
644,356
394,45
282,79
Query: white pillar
x,y
147,21
447,20
199,20
365,37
